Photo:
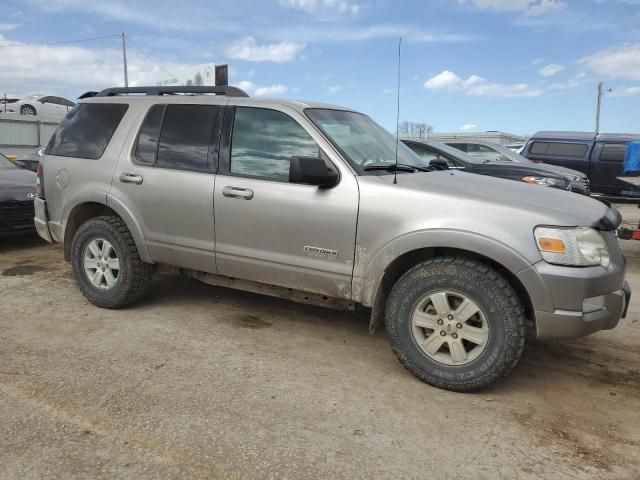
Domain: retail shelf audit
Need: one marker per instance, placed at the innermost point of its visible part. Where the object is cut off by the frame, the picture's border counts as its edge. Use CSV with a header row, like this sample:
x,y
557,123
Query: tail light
x,y
39,181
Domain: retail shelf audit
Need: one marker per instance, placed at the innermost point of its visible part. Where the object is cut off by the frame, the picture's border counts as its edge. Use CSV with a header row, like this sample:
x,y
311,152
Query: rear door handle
x,y
130,178
236,192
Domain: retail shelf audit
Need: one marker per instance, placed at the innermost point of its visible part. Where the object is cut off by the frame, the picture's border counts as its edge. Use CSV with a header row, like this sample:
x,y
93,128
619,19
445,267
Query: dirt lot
x,y
204,382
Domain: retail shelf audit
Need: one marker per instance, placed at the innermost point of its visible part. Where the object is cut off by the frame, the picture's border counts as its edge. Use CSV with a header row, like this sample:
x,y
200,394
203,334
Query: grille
x,y
16,217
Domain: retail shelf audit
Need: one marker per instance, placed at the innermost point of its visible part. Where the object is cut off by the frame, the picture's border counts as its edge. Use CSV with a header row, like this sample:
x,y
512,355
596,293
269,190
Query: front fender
x,y
370,267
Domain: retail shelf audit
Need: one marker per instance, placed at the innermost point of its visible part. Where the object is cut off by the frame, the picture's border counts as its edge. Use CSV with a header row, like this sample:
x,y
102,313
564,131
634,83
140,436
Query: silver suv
x,y
318,204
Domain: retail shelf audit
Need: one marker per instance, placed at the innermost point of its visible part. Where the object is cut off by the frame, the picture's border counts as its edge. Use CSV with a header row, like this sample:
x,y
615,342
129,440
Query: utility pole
x,y
124,60
601,93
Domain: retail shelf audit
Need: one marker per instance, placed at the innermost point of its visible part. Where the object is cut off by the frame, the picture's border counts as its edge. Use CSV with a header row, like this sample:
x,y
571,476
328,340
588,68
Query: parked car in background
x,y
600,157
436,153
320,204
30,160
17,193
496,152
516,147
41,104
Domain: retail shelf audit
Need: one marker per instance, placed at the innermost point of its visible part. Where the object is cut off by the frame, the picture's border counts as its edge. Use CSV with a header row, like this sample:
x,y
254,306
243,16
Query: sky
x,y
466,65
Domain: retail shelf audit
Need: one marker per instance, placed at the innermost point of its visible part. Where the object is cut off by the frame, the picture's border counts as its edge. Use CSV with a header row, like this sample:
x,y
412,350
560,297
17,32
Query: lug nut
x,y
440,322
459,325
455,335
450,317
443,333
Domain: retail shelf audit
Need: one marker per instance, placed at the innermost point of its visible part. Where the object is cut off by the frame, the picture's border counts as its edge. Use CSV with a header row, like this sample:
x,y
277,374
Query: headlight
x,y
576,247
546,181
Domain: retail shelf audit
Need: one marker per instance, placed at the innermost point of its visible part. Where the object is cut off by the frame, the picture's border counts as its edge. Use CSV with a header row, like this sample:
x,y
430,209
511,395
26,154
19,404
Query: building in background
x,y
493,136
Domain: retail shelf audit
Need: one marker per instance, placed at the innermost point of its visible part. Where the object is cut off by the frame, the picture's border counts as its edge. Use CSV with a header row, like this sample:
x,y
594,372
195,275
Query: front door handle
x,y
236,192
130,178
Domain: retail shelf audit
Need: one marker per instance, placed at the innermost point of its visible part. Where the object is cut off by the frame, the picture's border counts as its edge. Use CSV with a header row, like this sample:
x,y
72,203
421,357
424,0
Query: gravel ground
x,y
205,382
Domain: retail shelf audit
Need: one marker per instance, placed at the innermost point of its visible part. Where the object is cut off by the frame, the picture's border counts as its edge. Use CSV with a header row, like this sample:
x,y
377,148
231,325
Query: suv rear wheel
x,y
455,323
106,263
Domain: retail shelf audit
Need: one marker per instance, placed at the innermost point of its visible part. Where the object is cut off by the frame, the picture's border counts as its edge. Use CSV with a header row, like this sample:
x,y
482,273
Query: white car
x,y
41,104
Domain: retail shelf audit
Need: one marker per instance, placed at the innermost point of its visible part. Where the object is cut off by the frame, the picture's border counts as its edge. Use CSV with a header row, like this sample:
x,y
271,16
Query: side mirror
x,y
312,171
439,164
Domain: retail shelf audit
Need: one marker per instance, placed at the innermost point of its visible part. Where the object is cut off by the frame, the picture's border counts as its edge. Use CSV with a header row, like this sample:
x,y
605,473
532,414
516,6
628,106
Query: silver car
x,y
318,203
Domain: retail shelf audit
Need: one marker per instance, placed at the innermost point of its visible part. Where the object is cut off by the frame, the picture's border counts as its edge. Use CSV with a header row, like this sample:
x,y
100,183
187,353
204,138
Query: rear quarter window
x,y
86,130
560,149
613,152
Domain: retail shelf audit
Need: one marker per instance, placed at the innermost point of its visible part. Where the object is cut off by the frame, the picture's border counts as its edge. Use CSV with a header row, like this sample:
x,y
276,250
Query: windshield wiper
x,y
396,167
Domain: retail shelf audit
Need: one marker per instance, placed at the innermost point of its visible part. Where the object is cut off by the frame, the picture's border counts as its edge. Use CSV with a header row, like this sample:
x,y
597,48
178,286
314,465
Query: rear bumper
x,y
40,220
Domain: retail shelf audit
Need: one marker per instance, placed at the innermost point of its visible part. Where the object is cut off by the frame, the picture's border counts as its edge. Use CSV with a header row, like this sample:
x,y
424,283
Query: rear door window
x,y
613,152
180,137
559,149
86,130
187,133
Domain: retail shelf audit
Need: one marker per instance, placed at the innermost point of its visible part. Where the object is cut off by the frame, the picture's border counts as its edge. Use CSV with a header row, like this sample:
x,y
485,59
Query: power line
x,y
149,58
61,42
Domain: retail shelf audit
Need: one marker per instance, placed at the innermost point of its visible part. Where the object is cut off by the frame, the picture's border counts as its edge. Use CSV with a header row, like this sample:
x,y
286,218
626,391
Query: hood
x,y
498,198
562,170
16,184
538,169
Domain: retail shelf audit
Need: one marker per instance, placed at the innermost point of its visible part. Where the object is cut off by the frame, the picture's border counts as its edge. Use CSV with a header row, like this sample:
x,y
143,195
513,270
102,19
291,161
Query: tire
x,y
28,110
128,282
492,338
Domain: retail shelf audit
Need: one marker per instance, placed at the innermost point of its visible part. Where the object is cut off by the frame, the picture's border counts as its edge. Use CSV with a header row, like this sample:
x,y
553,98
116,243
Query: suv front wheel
x,y
455,323
106,263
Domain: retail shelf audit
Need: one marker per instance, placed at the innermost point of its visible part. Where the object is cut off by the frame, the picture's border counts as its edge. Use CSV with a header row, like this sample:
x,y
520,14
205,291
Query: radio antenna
x,y
395,171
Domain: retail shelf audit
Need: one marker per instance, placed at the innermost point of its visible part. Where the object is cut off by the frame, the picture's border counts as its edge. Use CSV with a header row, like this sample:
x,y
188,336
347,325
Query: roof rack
x,y
111,92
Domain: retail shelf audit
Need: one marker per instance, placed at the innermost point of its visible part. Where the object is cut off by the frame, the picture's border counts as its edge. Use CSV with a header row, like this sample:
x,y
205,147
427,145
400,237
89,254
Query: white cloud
x,y
334,88
310,6
443,81
248,49
246,85
550,70
468,126
528,7
615,62
5,27
625,91
479,86
69,71
264,91
123,11
272,91
573,82
332,32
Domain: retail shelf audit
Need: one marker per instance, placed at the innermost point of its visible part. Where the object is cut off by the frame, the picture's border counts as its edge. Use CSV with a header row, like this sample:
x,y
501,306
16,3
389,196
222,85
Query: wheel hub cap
x,y
449,327
101,263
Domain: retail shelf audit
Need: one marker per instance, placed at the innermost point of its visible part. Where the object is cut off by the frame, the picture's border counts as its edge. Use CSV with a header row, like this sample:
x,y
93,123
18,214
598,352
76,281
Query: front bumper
x,y
575,324
571,302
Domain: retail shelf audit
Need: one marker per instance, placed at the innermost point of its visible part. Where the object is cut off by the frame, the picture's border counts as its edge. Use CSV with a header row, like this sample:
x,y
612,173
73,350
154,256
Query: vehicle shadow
x,y
21,242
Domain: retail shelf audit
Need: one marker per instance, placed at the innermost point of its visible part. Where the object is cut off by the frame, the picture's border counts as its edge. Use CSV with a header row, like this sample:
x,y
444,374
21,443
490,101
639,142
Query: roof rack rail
x,y
226,90
88,94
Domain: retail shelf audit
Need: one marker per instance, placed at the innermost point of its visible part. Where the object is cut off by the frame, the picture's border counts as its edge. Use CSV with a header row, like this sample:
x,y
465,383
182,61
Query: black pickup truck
x,y
600,157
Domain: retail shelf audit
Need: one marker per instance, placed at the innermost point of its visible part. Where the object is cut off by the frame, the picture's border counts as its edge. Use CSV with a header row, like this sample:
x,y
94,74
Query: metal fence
x,y
20,133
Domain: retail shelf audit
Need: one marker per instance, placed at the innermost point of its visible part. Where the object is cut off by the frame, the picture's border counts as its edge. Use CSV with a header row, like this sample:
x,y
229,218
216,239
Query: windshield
x,y
5,163
34,96
361,140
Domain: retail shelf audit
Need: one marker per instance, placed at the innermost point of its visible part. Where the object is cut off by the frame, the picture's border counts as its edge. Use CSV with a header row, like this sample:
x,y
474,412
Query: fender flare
x,y
103,198
370,270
